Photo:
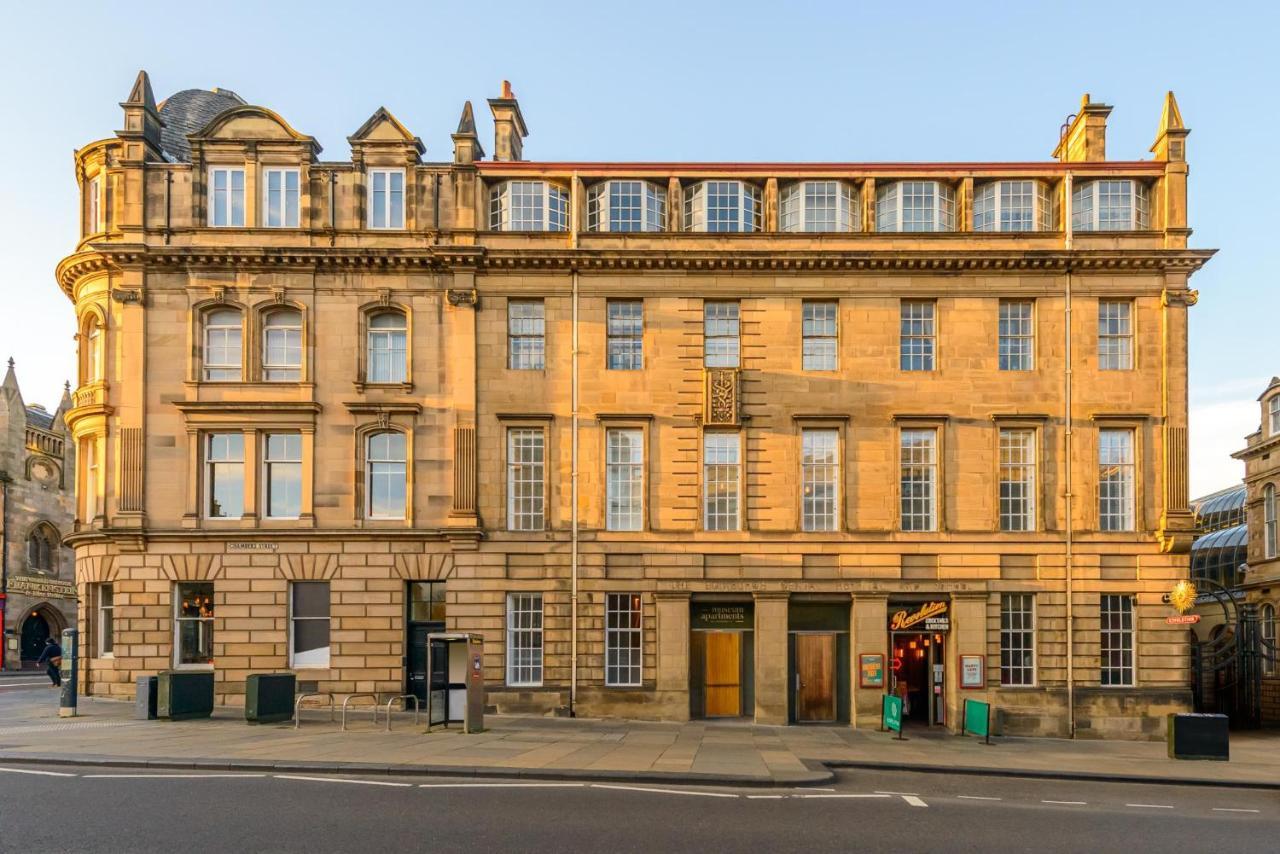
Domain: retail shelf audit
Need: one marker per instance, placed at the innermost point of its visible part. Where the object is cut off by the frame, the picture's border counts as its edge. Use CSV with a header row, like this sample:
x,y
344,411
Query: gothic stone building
x,y
760,440
37,471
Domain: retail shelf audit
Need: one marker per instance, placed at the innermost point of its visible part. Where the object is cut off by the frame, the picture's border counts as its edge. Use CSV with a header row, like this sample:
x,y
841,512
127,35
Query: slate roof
x,y
189,111
37,417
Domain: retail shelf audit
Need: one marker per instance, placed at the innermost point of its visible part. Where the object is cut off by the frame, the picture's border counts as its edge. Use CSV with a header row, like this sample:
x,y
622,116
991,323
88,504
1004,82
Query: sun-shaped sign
x,y
1183,596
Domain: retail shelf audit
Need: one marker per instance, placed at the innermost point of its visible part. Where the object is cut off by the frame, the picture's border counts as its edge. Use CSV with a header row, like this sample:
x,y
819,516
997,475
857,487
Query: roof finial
x,y
11,363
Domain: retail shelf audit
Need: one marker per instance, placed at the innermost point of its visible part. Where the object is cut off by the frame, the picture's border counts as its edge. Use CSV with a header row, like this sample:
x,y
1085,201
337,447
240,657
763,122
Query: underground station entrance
x,y
918,675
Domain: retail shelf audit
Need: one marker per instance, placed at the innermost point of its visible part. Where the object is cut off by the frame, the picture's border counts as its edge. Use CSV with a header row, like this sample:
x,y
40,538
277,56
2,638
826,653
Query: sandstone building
x,y
37,474
677,439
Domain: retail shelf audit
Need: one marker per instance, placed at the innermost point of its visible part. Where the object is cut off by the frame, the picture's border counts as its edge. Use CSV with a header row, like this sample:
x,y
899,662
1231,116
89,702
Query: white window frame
x,y
1117,467
720,468
225,209
626,206
819,206
820,470
1115,348
1267,629
1018,468
1124,634
286,371
1273,415
525,627
721,315
526,479
820,335
918,466
624,479
93,217
623,608
386,210
1013,205
628,335
89,502
527,328
386,346
313,659
1016,347
917,335
723,207
106,621
290,201
1269,522
178,620
93,341
894,214
222,465
208,367
528,206
385,467
1023,607
1093,210
272,463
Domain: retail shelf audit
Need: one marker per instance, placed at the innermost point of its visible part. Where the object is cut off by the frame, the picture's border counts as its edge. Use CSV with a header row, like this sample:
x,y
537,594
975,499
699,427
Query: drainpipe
x,y
1067,435
573,463
4,564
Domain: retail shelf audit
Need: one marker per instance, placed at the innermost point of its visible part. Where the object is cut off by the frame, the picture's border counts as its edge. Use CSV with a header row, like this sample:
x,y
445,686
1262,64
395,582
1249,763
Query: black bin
x,y
183,694
145,705
268,697
1199,736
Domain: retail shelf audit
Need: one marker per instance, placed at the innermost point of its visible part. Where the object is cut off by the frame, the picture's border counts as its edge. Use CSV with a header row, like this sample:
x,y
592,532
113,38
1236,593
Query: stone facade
x,y
1261,583
485,264
37,470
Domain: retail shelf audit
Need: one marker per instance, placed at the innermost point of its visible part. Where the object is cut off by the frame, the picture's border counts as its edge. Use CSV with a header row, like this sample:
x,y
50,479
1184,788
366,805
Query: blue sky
x,y
663,80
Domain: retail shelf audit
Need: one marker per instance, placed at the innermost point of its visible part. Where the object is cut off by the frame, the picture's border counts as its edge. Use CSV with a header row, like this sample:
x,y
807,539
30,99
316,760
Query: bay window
x,y
915,206
528,206
1013,206
722,206
621,206
817,206
1110,205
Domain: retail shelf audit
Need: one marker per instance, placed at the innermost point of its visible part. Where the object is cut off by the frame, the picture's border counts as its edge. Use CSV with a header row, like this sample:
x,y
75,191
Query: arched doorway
x,y
35,630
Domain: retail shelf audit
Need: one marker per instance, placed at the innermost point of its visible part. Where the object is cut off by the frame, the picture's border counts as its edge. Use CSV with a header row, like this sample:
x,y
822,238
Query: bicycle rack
x,y
351,697
297,707
406,698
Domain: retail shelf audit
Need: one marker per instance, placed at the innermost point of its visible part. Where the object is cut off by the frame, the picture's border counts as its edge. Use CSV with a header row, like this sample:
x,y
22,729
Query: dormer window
x,y
820,206
280,198
386,198
621,206
1273,415
915,206
1013,206
528,206
226,197
1110,205
722,206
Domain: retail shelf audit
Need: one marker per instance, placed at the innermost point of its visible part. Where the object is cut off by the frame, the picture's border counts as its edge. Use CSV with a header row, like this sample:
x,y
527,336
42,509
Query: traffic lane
x,y
128,810
1217,801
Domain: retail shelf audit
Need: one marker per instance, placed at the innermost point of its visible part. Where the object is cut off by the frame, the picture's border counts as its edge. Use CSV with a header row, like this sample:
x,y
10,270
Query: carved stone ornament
x,y
721,397
384,419
384,297
463,296
128,296
219,295
278,295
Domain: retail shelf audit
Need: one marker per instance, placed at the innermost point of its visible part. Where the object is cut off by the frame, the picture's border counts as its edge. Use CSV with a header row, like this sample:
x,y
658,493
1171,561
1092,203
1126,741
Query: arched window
x,y
387,348
1267,628
282,346
222,345
91,351
528,206
42,549
819,206
1269,521
385,475
619,206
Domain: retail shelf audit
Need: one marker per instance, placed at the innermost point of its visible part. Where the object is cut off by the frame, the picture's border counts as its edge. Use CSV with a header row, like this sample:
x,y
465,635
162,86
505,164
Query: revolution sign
x,y
928,617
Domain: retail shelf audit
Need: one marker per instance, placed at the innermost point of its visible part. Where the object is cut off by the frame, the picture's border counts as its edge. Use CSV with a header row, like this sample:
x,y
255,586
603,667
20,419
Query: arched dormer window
x,y
621,206
42,549
528,206
282,345
223,345
387,348
915,206
819,206
1110,205
91,353
723,206
1269,521
1013,206
385,475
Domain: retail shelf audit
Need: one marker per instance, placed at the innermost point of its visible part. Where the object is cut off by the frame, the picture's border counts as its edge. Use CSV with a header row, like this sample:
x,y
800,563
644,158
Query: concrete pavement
x,y
704,752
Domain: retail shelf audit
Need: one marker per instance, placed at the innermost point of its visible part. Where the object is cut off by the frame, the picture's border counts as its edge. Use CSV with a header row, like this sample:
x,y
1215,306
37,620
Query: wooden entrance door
x,y
815,677
724,674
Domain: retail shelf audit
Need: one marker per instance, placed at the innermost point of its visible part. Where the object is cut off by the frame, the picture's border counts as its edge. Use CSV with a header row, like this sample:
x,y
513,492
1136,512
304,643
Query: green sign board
x,y
977,718
892,713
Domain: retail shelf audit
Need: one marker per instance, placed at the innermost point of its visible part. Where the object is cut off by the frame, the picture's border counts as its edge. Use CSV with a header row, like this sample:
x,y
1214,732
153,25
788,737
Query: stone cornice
x,y
442,258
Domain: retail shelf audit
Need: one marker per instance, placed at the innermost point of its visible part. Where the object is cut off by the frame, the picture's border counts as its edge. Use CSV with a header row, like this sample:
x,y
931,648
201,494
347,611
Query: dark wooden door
x,y
815,677
35,630
724,674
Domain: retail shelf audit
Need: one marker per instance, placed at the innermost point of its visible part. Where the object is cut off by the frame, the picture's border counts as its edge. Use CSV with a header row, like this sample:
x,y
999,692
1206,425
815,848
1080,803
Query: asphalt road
x,y
127,810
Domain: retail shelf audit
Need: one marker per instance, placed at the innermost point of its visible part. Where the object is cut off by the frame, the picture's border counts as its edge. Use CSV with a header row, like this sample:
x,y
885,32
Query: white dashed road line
x,y
841,795
501,785
663,791
40,773
765,797
1066,803
342,780
167,776
899,794
914,801
1151,806
1232,809
977,798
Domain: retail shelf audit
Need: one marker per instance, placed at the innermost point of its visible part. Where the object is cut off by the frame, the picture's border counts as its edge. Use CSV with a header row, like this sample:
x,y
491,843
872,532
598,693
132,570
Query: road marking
x,y
768,797
663,791
165,776
977,798
1231,809
40,773
914,801
901,794
342,780
1151,806
1066,803
842,795
501,785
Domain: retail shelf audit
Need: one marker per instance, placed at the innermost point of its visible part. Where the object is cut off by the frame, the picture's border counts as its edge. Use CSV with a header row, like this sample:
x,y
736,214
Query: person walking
x,y
51,658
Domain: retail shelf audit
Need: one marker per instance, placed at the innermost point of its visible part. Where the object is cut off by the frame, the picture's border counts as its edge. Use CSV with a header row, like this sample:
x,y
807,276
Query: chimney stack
x,y
1085,138
509,128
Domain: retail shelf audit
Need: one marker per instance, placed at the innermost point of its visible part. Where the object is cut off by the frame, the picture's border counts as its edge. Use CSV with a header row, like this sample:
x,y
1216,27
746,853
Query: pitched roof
x,y
38,417
188,112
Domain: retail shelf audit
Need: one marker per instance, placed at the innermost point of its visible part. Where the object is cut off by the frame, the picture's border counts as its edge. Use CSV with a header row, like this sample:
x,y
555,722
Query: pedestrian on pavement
x,y
51,658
